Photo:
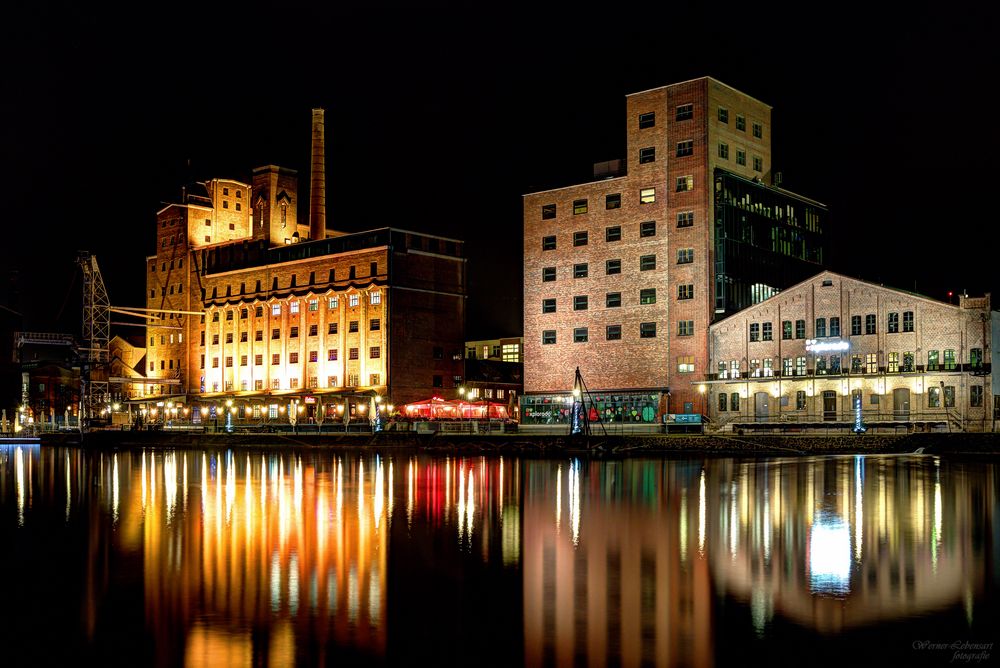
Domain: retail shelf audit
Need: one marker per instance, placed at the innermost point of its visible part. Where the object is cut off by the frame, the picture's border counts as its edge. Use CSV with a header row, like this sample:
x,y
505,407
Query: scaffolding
x,y
94,391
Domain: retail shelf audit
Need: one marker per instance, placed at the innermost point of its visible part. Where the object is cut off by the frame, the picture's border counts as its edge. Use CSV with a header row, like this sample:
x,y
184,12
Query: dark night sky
x,y
439,118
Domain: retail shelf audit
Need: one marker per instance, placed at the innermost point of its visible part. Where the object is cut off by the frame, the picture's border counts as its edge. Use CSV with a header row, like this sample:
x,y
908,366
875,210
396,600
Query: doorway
x,y
901,403
762,406
829,405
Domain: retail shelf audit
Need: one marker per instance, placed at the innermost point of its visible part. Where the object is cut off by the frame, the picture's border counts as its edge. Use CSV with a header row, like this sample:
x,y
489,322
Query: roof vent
x,y
828,283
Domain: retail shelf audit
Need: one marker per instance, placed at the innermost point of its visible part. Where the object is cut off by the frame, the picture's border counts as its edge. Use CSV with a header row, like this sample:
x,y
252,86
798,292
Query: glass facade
x,y
765,240
611,407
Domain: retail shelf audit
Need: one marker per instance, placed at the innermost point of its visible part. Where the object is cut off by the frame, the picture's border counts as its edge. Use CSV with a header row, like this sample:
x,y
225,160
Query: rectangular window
x,y
352,300
685,255
352,326
685,219
580,335
647,263
685,291
229,337
275,309
332,328
907,321
647,228
613,201
613,299
647,120
685,183
871,363
580,303
835,326
375,297
579,206
766,333
741,123
976,358
908,363
580,238
949,396
333,303
647,195
331,381
855,325
313,306
758,164
243,337
800,366
294,333
893,363
934,397
723,151
647,154
932,360
613,233
548,243
374,352
758,131
352,353
647,296
949,360
754,331
293,307
820,328
548,337
243,360
313,330
800,329
741,157
893,323
580,270
723,115
800,400
375,324
976,396
258,360
331,354
612,267
549,305
685,148
276,358
685,112
293,358
313,355
613,332
215,339
786,366
685,328
647,330
258,385
856,366
685,364
548,274
548,211
215,362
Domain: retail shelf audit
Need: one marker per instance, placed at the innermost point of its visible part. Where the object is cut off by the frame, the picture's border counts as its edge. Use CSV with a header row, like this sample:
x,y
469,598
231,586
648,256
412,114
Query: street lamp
x,y
701,390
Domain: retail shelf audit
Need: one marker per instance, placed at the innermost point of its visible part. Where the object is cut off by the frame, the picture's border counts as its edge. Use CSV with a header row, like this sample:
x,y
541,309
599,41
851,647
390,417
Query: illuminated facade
x,y
623,275
820,349
255,307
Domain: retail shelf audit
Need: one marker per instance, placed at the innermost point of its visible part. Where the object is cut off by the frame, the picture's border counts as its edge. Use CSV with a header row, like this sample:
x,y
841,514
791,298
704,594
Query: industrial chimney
x,y
317,178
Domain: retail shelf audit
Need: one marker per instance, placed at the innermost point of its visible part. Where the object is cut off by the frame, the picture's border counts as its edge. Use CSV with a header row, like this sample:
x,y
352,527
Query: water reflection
x,y
285,557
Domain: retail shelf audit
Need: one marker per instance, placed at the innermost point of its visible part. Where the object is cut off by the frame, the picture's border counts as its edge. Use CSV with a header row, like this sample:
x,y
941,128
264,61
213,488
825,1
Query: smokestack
x,y
317,178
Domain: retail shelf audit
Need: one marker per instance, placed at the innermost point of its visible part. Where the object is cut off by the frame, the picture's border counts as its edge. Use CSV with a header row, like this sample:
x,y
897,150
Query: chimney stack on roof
x,y
317,178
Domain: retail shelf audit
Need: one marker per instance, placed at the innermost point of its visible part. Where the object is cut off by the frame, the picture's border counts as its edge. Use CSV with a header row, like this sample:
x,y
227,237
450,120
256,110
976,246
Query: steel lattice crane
x,y
94,391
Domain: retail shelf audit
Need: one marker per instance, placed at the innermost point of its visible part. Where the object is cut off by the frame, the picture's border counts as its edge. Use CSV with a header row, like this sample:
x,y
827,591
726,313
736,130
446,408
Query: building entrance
x,y
762,406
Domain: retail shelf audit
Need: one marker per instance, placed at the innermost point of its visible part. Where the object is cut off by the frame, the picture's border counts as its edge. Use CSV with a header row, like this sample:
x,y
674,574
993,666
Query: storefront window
x,y
628,407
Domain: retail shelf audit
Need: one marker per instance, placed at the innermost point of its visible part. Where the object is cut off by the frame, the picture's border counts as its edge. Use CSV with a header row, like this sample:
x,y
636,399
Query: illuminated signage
x,y
817,346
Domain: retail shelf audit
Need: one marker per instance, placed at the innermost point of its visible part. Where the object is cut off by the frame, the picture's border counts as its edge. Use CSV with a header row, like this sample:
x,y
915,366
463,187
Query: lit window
x,y
375,298
579,206
685,183
647,195
275,309
293,307
352,300
332,302
685,255
685,219
685,364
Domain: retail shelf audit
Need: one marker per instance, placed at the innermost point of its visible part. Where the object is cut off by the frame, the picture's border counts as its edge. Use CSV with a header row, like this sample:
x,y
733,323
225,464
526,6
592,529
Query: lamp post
x,y
701,390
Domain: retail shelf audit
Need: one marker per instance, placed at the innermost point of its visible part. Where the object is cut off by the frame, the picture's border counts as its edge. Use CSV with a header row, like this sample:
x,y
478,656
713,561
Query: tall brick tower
x,y
317,178
623,275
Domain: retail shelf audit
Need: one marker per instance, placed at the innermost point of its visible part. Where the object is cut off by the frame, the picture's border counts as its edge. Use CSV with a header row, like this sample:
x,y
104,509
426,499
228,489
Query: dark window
x,y
820,328
647,296
613,267
647,154
685,183
685,255
294,333
549,243
754,331
647,262
579,206
352,353
870,323
580,270
313,330
647,228
723,115
332,328
907,321
375,324
893,323
647,330
855,325
438,353
374,352
331,354
723,152
549,305
613,332
613,299
758,164
580,335
800,329
438,381
684,112
548,337
766,332
741,157
685,147
613,233
976,395
548,211
741,123
685,219
613,201
580,238
647,120
352,326
758,131
834,326
548,274
685,291
685,328
580,303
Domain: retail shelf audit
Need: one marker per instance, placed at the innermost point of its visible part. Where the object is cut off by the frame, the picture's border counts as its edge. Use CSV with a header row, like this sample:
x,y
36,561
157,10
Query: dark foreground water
x,y
236,558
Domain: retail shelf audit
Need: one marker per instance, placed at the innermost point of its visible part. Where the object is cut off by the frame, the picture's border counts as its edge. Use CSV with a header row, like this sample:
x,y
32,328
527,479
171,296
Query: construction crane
x,y
94,391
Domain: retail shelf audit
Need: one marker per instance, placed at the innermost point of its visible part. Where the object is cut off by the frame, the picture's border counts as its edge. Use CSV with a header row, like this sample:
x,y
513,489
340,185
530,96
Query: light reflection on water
x,y
285,557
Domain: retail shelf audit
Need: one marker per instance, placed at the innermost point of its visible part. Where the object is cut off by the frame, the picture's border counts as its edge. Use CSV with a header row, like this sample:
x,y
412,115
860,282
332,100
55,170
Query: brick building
x,y
808,353
623,275
248,304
